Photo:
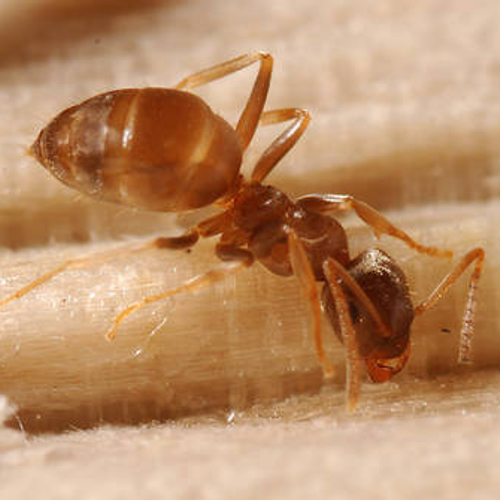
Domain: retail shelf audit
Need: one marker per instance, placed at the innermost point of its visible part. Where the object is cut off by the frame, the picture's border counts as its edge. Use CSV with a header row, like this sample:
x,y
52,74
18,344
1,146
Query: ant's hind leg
x,y
467,331
249,118
252,116
206,228
343,202
184,241
302,269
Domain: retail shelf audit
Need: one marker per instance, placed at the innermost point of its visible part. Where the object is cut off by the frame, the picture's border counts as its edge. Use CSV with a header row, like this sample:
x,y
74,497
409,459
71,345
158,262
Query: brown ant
x,y
165,150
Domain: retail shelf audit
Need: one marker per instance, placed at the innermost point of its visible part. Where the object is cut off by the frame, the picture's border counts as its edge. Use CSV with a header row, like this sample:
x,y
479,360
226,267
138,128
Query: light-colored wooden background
x,y
404,98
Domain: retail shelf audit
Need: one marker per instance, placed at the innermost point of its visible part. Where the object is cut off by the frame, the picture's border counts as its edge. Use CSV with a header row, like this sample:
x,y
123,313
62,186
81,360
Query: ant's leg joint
x,y
186,240
229,253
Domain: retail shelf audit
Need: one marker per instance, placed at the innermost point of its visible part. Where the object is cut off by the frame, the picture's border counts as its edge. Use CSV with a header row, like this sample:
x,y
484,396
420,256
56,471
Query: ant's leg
x,y
239,257
344,202
206,228
184,241
249,118
467,330
284,142
353,375
302,269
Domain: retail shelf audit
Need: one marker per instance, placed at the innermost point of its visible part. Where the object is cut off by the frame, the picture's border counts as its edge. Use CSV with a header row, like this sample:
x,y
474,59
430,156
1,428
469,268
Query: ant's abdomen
x,y
153,148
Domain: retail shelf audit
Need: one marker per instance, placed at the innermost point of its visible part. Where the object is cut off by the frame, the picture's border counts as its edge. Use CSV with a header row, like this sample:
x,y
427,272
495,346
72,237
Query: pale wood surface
x,y
404,98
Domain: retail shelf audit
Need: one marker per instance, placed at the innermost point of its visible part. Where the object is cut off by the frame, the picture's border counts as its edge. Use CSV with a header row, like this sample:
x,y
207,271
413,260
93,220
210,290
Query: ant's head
x,y
383,369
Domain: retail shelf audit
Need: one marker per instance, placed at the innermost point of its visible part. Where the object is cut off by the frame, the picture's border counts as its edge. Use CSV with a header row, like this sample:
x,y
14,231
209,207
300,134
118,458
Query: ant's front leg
x,y
476,256
331,268
344,202
304,272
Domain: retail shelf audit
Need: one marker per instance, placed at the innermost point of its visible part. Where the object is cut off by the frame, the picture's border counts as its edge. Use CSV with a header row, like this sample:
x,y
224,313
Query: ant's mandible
x,y
165,150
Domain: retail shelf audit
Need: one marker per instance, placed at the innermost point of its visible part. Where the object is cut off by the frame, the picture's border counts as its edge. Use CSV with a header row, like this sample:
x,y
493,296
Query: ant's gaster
x,y
165,150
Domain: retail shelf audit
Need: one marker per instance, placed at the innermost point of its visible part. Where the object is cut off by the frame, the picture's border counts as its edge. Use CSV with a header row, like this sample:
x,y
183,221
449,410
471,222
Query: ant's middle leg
x,y
284,142
344,202
253,114
237,258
